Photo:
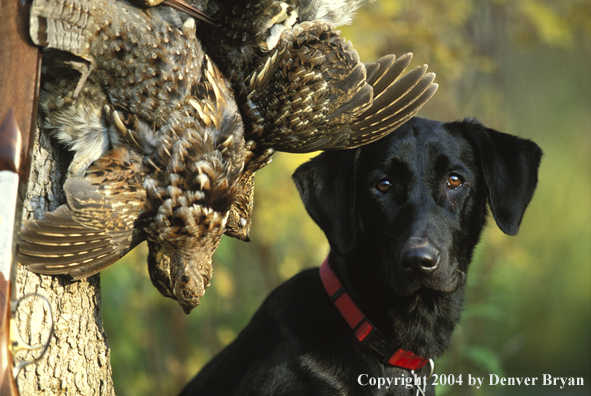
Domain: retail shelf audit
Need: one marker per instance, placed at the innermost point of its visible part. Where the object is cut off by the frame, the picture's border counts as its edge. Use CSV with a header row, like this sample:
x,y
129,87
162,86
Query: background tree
x,y
77,361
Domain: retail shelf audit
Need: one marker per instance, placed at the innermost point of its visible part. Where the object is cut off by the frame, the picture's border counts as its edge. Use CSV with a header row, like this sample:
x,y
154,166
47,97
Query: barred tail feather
x,y
396,99
379,121
405,112
60,245
389,69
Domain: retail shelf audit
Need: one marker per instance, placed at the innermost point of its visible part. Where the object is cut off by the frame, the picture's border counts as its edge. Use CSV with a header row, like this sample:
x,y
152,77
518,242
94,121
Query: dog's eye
x,y
384,185
454,181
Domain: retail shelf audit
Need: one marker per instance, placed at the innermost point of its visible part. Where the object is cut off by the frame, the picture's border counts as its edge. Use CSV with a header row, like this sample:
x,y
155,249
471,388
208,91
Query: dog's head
x,y
409,208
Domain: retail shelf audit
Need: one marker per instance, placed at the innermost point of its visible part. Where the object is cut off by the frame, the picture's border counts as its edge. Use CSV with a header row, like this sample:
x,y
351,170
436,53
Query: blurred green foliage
x,y
519,66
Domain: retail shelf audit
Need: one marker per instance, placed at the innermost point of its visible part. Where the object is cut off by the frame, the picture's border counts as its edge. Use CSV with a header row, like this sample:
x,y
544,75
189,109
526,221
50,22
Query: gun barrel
x,y
7,381
9,185
10,154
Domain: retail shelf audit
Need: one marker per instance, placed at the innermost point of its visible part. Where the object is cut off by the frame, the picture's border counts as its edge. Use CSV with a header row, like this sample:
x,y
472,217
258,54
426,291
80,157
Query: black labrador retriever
x,y
402,216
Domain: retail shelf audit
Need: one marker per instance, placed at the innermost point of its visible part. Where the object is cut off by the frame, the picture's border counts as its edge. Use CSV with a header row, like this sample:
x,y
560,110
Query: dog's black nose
x,y
420,254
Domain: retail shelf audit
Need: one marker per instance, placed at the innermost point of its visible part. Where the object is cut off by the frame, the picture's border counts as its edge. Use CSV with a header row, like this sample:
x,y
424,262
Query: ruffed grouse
x,y
158,144
304,90
300,86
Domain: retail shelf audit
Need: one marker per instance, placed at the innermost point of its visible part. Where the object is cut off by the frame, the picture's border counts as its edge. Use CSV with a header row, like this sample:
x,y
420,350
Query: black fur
x,y
402,254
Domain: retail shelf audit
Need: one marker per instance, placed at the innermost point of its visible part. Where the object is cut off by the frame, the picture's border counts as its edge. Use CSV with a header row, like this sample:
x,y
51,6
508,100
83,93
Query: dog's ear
x,y
327,187
510,168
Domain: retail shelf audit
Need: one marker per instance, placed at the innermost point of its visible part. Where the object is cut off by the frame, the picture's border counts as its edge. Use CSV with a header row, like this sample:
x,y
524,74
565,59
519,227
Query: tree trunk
x,y
78,359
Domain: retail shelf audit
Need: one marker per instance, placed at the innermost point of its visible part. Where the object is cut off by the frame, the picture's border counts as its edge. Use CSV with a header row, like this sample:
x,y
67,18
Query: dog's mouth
x,y
438,282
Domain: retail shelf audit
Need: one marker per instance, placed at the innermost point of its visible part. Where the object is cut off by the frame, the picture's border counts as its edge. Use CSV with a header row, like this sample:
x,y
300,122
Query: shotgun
x,y
10,142
19,87
12,189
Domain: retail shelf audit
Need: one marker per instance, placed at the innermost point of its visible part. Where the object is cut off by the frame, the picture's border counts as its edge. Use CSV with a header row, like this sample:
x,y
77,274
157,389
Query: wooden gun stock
x,y
20,68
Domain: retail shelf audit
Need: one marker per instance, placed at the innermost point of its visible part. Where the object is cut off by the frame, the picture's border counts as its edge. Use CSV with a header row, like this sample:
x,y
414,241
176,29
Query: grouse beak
x,y
190,10
190,277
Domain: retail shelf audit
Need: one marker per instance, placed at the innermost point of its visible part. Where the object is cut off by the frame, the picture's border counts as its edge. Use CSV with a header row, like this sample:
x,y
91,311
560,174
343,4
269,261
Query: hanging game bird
x,y
304,90
158,140
300,86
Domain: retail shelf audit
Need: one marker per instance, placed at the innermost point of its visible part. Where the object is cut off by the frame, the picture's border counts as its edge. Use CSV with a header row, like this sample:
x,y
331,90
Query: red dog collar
x,y
364,330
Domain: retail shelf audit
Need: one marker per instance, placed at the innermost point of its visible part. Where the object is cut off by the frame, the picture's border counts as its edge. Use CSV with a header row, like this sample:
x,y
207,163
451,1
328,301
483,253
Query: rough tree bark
x,y
78,359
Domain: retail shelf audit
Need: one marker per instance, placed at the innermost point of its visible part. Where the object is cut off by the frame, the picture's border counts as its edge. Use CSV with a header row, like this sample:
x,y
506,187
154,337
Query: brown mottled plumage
x,y
300,86
312,93
239,218
174,139
146,60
